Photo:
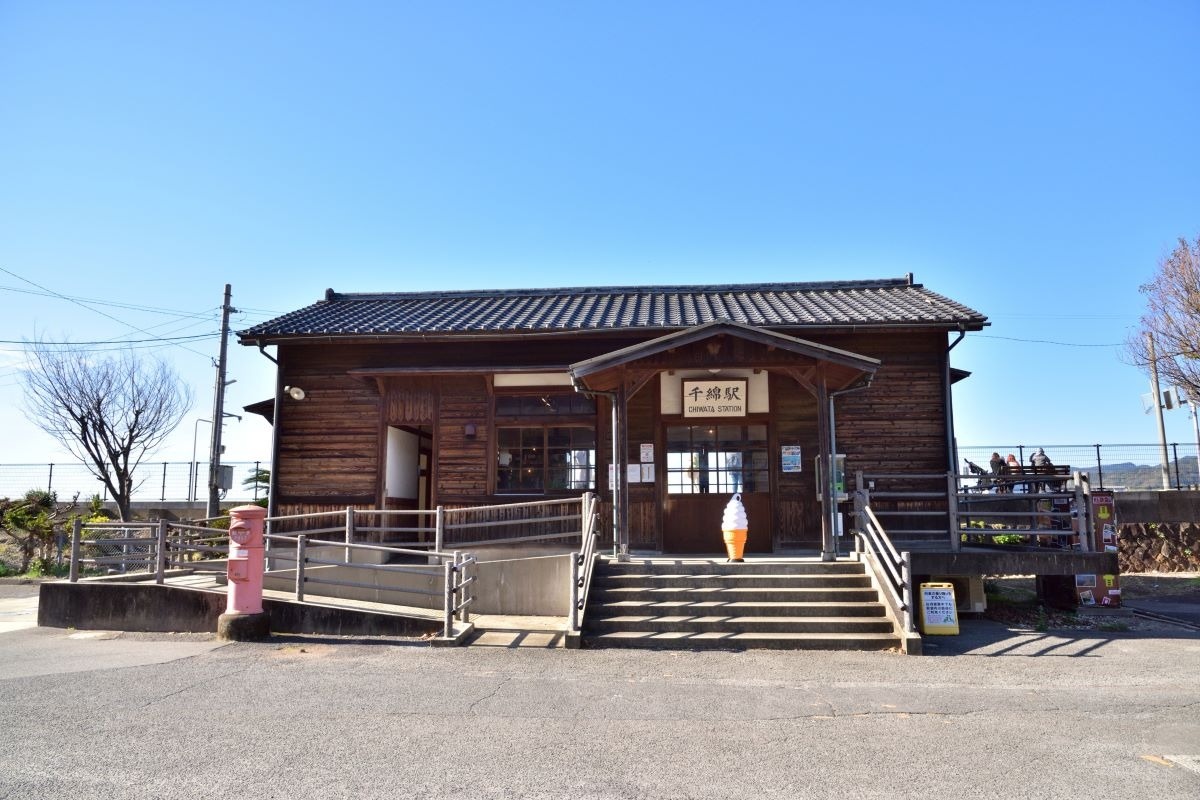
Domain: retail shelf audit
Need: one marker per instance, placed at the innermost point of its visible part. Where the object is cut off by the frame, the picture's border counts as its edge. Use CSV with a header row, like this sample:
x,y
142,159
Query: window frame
x,y
544,423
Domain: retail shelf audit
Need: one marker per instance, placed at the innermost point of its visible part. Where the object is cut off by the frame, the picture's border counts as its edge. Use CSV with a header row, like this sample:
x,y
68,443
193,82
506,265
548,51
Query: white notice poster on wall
x,y
634,471
647,473
648,453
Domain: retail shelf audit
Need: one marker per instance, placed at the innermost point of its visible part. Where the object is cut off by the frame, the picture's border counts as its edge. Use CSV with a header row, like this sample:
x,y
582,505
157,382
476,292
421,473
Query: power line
x,y
94,310
69,345
1047,341
112,304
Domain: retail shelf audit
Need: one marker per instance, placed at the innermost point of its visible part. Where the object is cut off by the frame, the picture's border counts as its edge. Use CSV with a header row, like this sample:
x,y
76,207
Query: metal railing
x,y
404,535
1056,512
159,481
892,569
452,567
1112,466
116,547
511,523
942,510
583,563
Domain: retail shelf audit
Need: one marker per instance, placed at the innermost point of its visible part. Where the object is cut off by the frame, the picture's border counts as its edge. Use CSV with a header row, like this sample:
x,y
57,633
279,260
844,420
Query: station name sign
x,y
714,398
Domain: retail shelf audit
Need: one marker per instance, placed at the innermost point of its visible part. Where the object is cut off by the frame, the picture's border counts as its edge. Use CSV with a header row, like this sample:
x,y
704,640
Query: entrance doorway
x,y
706,463
406,481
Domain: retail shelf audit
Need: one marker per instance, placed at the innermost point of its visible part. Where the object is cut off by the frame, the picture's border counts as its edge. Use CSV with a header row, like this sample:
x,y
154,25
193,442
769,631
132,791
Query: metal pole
x,y
194,467
301,547
1158,410
906,591
460,585
1175,453
448,599
161,568
50,480
952,511
163,493
1082,516
218,415
439,529
349,555
1196,428
1100,469
76,534
576,559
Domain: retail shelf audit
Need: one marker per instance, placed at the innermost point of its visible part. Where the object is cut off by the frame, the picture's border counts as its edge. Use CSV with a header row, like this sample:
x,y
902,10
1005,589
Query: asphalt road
x,y
992,714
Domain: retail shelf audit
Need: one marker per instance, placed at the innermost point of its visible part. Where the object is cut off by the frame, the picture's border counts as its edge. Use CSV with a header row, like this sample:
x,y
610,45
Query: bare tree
x,y
109,413
1172,318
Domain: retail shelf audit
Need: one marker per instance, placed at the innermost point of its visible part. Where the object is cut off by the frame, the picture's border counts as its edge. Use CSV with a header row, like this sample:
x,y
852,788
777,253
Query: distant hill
x,y
1128,475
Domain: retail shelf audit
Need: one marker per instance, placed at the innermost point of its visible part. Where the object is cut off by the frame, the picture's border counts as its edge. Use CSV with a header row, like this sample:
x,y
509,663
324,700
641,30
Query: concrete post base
x,y
244,627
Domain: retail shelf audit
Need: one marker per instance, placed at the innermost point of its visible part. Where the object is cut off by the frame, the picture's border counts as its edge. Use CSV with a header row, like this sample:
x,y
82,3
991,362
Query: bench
x,y
1027,475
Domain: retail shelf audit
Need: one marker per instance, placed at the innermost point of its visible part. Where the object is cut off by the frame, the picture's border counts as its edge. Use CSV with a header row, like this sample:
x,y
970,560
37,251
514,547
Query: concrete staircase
x,y
707,603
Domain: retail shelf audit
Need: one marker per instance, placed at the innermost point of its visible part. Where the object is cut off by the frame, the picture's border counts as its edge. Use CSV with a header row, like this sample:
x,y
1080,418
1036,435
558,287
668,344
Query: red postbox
x,y
246,560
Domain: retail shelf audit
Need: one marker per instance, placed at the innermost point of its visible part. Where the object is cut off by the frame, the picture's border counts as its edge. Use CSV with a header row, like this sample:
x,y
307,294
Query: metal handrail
x,y
892,569
583,563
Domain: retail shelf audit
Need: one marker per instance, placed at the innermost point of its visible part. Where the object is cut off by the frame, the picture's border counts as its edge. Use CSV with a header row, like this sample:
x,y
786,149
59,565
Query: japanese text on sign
x,y
714,398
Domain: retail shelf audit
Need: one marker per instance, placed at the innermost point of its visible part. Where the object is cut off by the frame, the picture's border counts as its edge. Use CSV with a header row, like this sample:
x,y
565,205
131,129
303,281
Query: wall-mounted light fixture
x,y
294,392
469,430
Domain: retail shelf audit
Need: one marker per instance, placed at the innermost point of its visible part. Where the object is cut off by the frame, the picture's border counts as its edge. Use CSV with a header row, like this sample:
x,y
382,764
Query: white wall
x,y
403,466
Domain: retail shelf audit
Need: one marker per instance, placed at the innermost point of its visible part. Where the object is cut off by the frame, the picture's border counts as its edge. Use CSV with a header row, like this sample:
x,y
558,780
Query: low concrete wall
x,y
537,586
121,606
95,605
1162,506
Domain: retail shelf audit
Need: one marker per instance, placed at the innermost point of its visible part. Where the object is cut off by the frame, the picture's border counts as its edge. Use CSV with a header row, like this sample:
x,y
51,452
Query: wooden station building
x,y
468,398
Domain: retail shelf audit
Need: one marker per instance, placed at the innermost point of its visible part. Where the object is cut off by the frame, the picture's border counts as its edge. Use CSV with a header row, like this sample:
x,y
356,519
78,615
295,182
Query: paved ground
x,y
992,713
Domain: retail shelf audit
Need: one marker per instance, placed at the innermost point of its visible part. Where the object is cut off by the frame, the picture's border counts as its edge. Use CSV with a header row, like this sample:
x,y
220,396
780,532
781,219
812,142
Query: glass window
x,y
545,405
705,459
536,451
537,459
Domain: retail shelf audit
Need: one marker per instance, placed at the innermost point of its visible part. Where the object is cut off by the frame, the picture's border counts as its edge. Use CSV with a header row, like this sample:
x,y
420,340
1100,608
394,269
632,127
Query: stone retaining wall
x,y
1159,547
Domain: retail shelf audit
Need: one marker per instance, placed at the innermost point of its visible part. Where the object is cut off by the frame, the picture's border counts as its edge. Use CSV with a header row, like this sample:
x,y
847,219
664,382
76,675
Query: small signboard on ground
x,y
939,611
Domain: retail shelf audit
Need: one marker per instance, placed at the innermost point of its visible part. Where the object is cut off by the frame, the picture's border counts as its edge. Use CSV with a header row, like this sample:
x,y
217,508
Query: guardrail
x,y
156,481
892,570
583,564
1060,515
455,571
136,547
160,545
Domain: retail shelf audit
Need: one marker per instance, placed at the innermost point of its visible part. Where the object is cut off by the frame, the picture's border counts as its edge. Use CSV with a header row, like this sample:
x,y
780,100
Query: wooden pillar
x,y
621,466
825,438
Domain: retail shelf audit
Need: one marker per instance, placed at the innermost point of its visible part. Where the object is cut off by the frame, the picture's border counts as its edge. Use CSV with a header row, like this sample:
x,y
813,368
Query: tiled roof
x,y
890,302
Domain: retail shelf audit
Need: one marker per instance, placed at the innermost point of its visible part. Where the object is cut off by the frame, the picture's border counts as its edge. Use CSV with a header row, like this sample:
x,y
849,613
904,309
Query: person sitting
x,y
1043,466
996,463
1012,467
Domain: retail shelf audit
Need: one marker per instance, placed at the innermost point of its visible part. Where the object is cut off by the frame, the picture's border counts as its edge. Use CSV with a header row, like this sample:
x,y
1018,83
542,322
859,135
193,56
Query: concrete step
x,y
709,603
709,581
738,624
710,566
766,608
732,594
741,641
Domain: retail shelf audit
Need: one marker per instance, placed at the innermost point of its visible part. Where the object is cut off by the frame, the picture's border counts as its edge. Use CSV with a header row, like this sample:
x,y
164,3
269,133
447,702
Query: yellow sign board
x,y
939,611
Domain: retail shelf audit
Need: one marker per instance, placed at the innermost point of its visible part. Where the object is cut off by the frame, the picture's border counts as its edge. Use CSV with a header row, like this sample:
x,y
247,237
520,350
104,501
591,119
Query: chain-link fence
x,y
1109,466
175,481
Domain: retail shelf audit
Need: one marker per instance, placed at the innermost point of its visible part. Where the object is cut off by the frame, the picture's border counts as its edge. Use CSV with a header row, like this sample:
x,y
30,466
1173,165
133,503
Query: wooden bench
x,y
1027,475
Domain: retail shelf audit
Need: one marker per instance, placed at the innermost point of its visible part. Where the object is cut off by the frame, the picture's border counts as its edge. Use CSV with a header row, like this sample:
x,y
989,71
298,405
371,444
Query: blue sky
x,y
1031,160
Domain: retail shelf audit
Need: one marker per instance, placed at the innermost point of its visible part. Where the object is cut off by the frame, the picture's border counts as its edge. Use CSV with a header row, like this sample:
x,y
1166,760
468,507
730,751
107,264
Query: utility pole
x,y
1158,410
1195,427
218,415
